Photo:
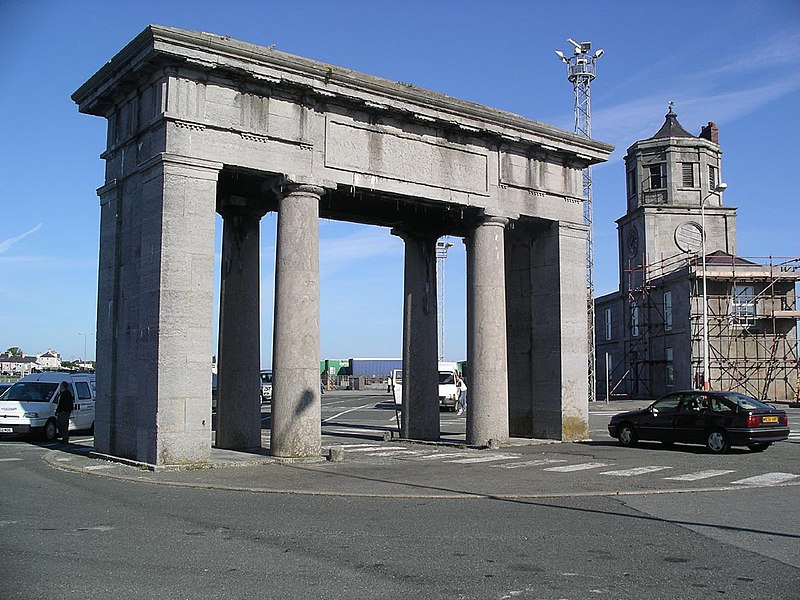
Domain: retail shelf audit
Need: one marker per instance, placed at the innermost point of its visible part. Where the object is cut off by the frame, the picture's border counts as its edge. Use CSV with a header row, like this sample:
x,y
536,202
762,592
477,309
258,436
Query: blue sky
x,y
731,62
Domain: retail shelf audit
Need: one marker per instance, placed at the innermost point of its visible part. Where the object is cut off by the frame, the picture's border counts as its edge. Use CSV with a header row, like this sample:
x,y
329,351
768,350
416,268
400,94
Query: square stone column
x,y
547,332
155,301
420,416
487,405
296,412
238,363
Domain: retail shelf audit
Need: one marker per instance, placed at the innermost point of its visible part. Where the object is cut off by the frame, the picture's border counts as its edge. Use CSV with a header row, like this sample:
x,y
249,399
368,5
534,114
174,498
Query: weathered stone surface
x,y
195,116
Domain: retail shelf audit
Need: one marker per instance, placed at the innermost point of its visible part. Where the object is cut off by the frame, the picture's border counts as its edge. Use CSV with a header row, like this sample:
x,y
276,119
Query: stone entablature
x,y
218,99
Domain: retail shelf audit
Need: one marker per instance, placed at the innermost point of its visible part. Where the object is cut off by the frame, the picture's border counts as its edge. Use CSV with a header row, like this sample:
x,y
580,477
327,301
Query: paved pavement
x,y
395,468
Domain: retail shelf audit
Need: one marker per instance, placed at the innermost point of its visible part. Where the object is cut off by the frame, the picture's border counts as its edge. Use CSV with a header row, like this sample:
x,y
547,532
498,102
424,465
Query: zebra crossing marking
x,y
9,459
578,467
635,471
697,476
482,459
376,449
439,455
395,453
530,463
767,479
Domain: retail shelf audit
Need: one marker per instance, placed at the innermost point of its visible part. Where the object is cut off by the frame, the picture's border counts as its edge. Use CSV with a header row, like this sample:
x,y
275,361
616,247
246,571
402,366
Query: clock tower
x,y
668,176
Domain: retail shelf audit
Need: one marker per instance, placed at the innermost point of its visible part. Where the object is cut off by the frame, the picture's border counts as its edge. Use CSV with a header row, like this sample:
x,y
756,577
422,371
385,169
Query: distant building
x,y
650,334
18,364
49,360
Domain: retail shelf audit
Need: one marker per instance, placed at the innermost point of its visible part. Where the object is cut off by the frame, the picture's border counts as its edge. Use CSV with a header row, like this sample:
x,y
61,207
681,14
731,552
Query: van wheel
x,y
49,430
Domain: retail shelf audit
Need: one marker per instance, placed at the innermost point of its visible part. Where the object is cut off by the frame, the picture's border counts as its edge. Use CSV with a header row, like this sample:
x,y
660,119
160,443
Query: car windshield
x,y
446,377
31,391
266,377
745,402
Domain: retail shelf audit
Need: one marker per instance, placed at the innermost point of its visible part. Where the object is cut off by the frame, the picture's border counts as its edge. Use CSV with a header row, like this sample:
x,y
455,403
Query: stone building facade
x,y
650,333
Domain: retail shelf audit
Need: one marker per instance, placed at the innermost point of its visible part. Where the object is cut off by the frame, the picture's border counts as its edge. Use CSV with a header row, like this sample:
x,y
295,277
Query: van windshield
x,y
266,376
446,377
31,391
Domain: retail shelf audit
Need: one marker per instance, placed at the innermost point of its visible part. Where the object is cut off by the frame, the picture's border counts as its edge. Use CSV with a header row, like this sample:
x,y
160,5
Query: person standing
x,y
461,387
66,404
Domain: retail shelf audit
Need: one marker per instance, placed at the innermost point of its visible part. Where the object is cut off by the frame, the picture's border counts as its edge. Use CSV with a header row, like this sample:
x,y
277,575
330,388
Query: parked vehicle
x,y
396,385
448,390
266,385
29,405
717,419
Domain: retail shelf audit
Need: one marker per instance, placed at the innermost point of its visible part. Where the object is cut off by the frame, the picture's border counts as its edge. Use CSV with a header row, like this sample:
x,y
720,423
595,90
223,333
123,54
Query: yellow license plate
x,y
769,419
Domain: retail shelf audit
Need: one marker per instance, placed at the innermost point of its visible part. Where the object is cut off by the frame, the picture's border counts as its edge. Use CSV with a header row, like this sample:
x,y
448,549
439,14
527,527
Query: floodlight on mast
x,y
580,73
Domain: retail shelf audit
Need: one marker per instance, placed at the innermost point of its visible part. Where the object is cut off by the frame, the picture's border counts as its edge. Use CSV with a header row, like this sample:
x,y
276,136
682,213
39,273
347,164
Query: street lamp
x,y
85,334
719,188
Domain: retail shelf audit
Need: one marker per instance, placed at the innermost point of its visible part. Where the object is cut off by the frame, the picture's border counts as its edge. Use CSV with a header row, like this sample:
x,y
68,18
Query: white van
x,y
29,406
448,391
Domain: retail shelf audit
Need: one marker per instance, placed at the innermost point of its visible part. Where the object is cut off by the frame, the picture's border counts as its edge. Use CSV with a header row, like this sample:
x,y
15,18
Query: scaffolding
x,y
752,326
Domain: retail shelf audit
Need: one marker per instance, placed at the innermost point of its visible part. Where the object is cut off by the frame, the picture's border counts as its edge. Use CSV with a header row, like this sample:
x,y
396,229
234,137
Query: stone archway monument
x,y
200,124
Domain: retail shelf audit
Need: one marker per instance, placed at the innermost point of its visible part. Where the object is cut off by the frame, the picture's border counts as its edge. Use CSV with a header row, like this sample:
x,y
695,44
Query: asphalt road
x,y
398,520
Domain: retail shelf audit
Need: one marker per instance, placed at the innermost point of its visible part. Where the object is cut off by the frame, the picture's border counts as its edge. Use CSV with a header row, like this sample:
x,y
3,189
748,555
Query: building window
x,y
608,323
688,174
712,177
668,311
632,182
657,179
743,307
669,374
634,319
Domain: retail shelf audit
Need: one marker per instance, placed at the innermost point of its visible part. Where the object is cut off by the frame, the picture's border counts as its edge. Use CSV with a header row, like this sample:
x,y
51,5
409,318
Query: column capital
x,y
491,220
417,234
233,205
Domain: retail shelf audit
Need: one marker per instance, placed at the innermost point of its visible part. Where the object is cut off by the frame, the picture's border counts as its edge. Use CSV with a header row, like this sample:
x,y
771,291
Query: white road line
x,y
530,463
336,416
578,467
396,453
439,455
331,429
482,459
347,446
767,479
9,459
377,448
700,475
634,471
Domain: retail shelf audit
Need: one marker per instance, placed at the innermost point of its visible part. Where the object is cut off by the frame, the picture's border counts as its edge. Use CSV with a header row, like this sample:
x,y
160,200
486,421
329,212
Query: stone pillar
x,y
296,423
559,355
238,358
420,416
487,400
155,311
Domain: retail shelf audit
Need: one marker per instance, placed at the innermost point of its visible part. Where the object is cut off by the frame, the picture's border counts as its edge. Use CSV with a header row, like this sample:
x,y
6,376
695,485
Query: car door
x,y
691,418
657,423
83,415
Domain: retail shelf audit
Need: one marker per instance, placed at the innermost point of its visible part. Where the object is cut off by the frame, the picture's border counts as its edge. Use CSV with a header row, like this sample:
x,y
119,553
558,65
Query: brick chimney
x,y
710,132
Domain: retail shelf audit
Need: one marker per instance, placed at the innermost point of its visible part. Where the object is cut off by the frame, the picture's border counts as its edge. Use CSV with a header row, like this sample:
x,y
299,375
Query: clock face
x,y
633,242
689,237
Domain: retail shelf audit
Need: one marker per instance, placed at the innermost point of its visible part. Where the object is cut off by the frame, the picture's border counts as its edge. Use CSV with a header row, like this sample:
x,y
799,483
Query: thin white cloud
x,y
6,244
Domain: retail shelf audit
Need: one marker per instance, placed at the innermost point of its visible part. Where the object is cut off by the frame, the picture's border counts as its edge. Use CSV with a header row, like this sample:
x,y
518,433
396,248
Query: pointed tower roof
x,y
671,128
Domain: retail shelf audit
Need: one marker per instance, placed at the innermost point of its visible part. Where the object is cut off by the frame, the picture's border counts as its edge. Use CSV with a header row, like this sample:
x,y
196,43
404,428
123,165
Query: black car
x,y
717,419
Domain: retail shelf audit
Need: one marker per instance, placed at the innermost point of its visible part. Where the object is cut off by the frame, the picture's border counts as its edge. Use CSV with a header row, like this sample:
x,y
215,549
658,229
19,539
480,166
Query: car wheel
x,y
760,447
49,430
627,435
717,441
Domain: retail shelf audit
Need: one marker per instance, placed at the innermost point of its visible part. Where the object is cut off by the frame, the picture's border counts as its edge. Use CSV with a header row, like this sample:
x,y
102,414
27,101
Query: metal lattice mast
x,y
581,72
441,254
